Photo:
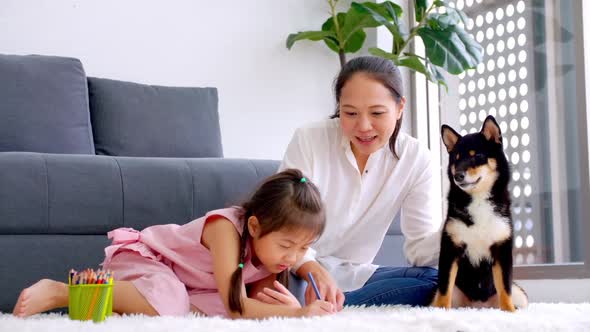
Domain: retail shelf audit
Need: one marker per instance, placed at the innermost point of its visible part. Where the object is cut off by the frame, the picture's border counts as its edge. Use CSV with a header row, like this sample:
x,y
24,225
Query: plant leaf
x,y
452,15
355,41
383,54
380,14
352,43
462,16
442,21
395,11
310,35
452,48
436,76
386,14
334,43
413,62
420,7
356,20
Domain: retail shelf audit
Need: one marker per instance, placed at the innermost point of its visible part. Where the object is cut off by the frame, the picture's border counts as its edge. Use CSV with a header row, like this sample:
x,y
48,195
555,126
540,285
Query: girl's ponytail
x,y
235,286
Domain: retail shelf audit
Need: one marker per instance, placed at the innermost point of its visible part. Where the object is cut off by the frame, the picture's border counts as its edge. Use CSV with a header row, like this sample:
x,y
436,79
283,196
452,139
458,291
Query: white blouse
x,y
361,207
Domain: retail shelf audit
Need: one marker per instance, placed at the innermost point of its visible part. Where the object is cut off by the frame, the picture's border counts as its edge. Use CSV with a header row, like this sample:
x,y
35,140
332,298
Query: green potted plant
x,y
447,45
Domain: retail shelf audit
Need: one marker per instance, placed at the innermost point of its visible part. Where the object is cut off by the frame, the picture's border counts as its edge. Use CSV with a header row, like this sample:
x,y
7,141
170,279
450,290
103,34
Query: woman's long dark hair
x,y
282,201
379,69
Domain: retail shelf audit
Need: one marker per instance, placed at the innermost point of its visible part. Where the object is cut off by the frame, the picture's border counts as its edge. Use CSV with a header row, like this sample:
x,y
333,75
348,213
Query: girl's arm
x,y
326,284
223,241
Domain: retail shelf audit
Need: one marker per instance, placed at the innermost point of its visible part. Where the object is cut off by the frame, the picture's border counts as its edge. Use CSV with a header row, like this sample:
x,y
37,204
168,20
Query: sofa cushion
x,y
44,193
44,105
59,193
139,120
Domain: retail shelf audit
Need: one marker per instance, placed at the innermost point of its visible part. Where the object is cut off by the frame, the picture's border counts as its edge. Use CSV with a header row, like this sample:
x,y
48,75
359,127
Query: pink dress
x,y
171,268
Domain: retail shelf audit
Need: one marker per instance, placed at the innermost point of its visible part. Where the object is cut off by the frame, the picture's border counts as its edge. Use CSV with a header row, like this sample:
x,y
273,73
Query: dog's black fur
x,y
477,237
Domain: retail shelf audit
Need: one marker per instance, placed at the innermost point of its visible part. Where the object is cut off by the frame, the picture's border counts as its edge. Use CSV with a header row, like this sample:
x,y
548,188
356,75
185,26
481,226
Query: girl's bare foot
x,y
44,295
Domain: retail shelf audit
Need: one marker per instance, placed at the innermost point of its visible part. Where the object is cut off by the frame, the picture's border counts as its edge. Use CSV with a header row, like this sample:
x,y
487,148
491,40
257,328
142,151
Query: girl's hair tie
x,y
303,180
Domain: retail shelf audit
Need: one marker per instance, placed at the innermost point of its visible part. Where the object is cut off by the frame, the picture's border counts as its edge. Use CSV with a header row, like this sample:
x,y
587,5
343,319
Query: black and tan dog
x,y
475,264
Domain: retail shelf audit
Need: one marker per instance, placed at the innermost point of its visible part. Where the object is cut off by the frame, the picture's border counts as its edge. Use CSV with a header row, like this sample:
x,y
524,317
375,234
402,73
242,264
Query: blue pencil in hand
x,y
315,287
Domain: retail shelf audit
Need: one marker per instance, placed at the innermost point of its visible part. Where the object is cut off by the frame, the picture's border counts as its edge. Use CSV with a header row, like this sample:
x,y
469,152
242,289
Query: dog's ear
x,y
491,130
449,137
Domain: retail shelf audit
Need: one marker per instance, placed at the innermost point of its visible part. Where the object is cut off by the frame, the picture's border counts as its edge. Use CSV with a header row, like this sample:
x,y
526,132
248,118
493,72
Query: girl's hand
x,y
279,296
326,285
317,308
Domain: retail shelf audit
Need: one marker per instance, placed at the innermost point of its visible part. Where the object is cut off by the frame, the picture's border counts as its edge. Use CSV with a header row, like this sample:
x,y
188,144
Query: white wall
x,y
265,90
563,290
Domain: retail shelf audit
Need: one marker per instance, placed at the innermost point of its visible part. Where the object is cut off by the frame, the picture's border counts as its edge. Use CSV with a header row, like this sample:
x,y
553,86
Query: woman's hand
x,y
317,308
329,291
279,296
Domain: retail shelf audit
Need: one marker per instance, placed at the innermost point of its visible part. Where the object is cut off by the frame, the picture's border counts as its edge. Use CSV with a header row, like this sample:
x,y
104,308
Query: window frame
x,y
581,269
426,115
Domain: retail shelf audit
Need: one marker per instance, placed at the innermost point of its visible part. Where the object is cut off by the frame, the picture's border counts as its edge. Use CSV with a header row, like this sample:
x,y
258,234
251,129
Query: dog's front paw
x,y
506,304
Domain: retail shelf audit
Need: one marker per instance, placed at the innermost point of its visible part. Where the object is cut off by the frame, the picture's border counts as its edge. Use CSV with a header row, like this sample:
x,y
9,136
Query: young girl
x,y
213,263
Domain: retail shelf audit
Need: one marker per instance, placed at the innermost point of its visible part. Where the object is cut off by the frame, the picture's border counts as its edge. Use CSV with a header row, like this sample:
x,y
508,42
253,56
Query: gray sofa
x,y
81,156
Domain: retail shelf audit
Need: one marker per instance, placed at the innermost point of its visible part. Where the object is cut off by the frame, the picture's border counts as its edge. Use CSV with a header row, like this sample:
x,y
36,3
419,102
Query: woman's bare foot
x,y
44,295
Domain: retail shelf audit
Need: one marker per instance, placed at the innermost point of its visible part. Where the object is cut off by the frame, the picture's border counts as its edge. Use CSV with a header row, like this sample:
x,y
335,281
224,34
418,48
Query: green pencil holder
x,y
91,302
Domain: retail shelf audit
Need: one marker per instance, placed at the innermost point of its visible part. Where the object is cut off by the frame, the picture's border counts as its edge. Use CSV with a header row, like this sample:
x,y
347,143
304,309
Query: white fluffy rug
x,y
538,317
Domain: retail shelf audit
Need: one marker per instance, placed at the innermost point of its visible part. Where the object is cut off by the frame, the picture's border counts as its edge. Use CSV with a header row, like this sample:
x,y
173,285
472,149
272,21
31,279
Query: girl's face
x,y
281,249
368,113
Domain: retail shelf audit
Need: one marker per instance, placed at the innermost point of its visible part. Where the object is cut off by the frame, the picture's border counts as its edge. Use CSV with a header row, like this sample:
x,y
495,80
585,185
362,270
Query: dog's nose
x,y
459,176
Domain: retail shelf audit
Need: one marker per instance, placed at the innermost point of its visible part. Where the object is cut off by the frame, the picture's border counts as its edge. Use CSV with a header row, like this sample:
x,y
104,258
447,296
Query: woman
x,y
367,172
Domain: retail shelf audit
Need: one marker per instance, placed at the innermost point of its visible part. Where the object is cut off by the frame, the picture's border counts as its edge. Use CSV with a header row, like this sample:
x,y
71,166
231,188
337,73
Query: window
x,y
532,79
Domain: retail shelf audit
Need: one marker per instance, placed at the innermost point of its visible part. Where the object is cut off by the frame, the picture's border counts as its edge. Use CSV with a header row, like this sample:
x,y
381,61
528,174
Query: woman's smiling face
x,y
368,113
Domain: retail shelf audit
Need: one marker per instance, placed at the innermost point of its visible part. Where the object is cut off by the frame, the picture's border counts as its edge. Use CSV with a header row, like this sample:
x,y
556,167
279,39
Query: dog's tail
x,y
519,297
